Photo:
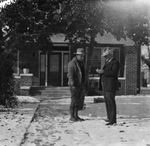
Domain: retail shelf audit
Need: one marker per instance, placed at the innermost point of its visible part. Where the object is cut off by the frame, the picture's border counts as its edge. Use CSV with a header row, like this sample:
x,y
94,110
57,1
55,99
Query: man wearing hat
x,y
109,83
76,82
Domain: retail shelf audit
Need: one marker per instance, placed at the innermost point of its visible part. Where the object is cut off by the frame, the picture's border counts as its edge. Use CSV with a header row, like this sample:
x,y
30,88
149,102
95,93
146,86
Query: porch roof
x,y
106,39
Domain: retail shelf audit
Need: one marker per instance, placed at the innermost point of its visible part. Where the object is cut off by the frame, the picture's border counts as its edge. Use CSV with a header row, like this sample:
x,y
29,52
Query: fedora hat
x,y
107,51
80,51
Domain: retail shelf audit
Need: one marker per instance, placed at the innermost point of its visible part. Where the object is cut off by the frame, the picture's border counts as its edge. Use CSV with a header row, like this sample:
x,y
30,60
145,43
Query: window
x,y
98,61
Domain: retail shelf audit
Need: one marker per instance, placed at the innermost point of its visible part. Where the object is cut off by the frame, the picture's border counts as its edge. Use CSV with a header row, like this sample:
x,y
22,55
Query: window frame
x,y
121,58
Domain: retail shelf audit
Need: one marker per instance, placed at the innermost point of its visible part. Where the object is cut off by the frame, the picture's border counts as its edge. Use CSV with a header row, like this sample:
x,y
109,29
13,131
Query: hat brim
x,y
107,53
79,53
103,55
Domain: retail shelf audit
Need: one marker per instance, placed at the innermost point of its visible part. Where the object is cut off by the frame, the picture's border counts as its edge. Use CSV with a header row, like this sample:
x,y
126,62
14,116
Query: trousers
x,y
77,96
110,106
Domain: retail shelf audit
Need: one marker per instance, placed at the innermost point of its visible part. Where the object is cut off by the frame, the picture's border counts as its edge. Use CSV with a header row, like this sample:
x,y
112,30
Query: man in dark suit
x,y
109,84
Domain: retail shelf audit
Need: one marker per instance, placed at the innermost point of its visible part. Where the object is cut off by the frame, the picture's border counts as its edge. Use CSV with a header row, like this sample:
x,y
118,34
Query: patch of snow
x,y
27,99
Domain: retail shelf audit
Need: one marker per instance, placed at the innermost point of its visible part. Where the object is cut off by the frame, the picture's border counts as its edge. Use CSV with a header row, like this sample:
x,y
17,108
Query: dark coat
x,y
74,75
110,76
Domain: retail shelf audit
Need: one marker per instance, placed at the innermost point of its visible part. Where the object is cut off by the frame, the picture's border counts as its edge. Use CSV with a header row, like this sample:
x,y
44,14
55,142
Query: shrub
x,y
7,98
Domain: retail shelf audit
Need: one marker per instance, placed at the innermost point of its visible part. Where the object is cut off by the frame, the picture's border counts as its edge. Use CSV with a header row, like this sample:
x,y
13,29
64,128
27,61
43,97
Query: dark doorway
x,y
57,68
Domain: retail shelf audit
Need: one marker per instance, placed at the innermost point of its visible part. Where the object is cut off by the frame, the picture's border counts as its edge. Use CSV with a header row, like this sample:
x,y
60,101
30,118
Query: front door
x,y
54,69
57,68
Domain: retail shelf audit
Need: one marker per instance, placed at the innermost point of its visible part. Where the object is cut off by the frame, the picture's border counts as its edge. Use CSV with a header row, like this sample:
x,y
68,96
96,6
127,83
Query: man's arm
x,y
114,71
99,71
71,73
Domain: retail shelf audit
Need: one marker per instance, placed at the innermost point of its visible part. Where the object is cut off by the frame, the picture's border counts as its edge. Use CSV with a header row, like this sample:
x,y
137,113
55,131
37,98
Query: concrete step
x,y
145,90
50,91
55,94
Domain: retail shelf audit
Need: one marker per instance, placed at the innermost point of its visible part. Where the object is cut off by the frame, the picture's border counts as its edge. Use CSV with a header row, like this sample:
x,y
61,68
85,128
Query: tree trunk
x,y
146,61
89,57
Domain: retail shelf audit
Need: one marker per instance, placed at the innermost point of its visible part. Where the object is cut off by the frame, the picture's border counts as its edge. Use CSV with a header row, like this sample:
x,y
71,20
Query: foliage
x,y
137,26
35,21
7,98
29,22
146,61
22,23
81,21
130,19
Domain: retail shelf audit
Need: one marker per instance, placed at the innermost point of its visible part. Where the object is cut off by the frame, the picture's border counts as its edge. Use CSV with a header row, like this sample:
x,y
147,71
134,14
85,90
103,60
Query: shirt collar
x,y
110,59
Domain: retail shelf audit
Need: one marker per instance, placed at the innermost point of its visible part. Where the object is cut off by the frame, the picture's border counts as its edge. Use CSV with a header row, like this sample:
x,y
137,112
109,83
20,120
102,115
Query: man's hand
x,y
73,87
100,71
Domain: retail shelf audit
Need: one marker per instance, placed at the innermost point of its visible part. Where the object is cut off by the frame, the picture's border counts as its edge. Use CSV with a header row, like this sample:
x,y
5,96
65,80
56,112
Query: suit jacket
x,y
109,78
74,75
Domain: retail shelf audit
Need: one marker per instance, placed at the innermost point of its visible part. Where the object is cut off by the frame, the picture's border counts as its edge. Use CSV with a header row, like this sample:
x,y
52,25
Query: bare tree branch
x,y
146,61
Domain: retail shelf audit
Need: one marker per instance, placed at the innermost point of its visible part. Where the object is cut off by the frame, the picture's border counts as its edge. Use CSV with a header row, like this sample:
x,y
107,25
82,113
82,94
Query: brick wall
x,y
26,80
131,70
129,82
30,59
23,84
17,85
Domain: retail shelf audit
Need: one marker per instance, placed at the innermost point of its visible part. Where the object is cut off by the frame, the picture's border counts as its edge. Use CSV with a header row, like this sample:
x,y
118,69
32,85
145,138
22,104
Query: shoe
x,y
80,119
110,123
73,119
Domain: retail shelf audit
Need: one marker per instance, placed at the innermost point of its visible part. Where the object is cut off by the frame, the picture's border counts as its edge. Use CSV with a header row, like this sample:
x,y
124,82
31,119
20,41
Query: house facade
x,y
49,68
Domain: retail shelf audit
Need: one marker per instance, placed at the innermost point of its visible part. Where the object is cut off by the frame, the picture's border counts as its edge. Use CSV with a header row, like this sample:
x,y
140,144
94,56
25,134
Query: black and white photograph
x,y
75,72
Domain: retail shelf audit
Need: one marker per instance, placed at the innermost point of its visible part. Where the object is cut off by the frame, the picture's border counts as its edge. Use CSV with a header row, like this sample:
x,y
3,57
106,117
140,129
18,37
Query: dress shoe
x,y
73,119
80,119
110,123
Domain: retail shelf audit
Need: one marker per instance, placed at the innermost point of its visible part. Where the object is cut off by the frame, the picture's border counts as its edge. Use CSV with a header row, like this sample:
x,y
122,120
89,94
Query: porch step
x,y
145,91
60,92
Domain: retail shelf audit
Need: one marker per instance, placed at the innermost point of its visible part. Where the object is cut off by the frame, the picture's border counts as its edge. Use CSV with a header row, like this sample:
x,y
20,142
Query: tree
x,y
22,23
17,29
134,17
138,29
146,60
80,20
34,21
83,20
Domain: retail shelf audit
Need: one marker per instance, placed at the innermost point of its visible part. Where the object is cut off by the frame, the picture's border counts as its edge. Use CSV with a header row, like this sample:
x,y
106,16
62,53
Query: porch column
x,y
46,69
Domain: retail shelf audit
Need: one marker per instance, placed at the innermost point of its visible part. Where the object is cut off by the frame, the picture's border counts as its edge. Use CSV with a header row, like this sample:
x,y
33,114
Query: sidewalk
x,y
51,127
14,123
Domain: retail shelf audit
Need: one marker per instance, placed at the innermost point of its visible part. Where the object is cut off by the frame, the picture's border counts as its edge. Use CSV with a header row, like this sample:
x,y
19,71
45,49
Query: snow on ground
x,y
27,99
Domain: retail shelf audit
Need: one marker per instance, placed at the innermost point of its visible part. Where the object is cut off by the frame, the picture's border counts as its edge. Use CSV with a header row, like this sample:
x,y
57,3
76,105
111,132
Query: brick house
x,y
50,68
